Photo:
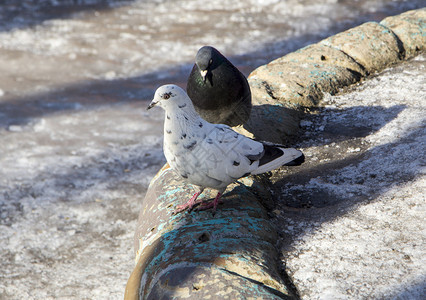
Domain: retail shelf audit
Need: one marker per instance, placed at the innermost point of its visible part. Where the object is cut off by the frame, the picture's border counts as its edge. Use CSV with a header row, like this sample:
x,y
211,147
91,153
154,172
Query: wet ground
x,y
77,148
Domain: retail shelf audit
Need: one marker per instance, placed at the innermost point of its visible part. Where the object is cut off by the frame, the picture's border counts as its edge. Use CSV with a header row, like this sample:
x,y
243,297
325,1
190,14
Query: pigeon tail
x,y
276,157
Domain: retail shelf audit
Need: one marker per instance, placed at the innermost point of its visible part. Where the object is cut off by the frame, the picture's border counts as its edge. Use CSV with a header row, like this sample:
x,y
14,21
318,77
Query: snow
x,y
77,148
363,233
70,199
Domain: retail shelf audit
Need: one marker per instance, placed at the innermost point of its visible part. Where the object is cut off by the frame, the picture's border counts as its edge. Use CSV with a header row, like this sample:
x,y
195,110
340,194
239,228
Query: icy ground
x,y
77,149
46,43
68,218
353,218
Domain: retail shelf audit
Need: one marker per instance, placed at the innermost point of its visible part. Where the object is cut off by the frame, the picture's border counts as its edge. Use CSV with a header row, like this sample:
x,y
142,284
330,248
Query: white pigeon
x,y
210,155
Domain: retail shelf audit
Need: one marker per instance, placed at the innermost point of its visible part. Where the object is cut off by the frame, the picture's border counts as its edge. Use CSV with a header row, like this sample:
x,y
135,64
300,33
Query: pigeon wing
x,y
229,155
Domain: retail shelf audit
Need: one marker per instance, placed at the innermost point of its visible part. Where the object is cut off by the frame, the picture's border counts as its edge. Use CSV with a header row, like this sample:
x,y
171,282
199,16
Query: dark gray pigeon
x,y
219,91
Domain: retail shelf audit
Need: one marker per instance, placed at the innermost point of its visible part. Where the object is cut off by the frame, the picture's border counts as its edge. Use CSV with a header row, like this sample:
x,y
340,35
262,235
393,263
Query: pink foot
x,y
211,204
188,205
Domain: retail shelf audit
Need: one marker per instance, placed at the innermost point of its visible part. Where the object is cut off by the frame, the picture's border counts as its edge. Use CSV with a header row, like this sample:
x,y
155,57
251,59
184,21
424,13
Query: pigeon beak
x,y
152,104
203,74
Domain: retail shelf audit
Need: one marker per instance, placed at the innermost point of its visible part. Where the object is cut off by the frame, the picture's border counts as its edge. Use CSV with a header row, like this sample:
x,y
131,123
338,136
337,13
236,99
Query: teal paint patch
x,y
171,193
228,226
161,226
322,74
271,112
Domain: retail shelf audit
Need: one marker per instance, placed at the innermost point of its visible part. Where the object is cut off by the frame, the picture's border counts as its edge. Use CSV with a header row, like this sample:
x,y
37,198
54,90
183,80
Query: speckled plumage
x,y
212,155
218,90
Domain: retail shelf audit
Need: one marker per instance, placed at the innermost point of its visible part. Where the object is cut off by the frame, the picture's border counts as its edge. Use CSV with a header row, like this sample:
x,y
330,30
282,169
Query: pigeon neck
x,y
182,117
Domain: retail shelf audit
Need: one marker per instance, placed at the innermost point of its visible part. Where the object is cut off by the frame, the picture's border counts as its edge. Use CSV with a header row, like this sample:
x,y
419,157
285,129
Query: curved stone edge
x,y
285,87
192,246
196,254
410,28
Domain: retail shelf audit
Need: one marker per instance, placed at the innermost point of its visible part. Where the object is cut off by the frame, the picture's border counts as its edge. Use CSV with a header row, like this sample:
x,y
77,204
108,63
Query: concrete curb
x,y
282,89
233,253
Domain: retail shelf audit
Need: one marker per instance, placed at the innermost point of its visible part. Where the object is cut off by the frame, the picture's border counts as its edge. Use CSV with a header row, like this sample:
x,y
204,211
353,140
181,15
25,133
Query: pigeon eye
x,y
166,96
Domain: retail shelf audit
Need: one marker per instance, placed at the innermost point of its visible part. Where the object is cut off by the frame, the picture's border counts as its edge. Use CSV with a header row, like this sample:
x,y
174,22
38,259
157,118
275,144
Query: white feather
x,y
205,154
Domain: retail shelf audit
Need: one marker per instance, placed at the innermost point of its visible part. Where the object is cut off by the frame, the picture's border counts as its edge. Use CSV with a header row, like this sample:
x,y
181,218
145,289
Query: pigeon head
x,y
205,60
170,96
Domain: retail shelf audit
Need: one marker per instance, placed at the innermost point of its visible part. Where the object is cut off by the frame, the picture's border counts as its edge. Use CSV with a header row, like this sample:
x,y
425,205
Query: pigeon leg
x,y
211,204
188,205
